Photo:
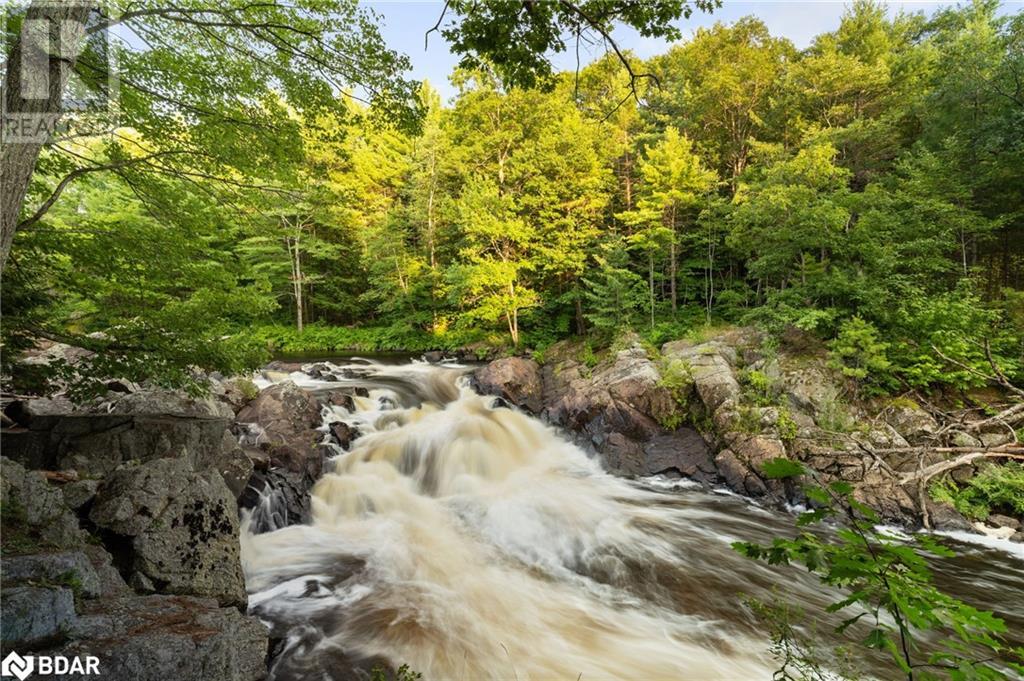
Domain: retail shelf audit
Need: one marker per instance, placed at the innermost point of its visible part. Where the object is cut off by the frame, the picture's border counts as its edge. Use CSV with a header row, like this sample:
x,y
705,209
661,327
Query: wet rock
x,y
683,451
888,499
944,517
999,520
277,499
623,454
182,525
280,365
289,417
433,356
737,474
995,532
516,379
163,638
343,434
338,398
36,614
68,568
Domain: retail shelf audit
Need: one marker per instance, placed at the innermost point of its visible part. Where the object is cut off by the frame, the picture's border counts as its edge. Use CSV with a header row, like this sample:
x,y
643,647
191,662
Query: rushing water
x,y
471,541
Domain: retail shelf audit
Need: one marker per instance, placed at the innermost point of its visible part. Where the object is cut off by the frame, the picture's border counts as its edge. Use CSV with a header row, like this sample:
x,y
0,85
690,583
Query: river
x,y
471,541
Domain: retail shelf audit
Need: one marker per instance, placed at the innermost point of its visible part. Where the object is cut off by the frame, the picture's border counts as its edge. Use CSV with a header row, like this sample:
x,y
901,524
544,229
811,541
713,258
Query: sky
x,y
406,21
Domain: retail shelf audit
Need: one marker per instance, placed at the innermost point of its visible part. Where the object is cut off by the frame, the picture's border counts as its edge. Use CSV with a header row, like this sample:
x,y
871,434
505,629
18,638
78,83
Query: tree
x,y
790,221
719,89
152,292
614,292
489,280
516,38
890,587
675,183
209,90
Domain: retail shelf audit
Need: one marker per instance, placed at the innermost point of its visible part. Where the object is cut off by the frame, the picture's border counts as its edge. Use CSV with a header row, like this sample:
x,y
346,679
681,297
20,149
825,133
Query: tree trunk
x,y
710,290
38,67
293,252
672,267
650,281
512,315
581,324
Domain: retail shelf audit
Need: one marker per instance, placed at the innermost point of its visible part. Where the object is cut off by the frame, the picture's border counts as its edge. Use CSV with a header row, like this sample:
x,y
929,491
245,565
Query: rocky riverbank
x,y
121,517
714,410
121,523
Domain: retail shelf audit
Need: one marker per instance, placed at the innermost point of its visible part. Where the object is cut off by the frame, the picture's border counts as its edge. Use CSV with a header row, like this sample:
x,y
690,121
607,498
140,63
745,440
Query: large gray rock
x,y
165,638
71,568
96,439
683,451
183,527
810,388
35,614
710,365
515,379
35,515
909,419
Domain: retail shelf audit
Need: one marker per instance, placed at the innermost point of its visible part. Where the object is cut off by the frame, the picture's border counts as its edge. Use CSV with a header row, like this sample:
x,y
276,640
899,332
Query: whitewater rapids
x,y
471,541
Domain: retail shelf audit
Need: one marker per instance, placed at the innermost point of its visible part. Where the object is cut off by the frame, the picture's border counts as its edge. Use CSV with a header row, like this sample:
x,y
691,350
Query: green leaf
x,y
780,468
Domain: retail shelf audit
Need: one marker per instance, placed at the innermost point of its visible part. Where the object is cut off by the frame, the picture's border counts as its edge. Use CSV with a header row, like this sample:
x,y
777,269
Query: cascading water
x,y
473,542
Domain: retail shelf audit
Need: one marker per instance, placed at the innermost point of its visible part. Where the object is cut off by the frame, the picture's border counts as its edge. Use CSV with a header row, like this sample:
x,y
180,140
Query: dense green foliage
x,y
888,586
868,189
995,489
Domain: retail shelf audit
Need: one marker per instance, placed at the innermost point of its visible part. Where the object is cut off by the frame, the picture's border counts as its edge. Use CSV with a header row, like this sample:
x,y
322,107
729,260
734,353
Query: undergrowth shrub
x,y
995,488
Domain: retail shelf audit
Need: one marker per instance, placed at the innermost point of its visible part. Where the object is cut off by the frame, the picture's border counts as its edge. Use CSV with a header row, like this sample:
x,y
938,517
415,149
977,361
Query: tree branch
x,y
78,172
437,26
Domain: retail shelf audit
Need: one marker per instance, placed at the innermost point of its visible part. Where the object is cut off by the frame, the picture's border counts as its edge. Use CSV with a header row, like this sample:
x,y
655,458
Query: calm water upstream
x,y
473,542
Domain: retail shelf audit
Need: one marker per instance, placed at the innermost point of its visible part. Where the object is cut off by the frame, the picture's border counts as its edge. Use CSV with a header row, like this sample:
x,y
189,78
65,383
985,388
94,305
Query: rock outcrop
x,y
95,439
515,379
133,555
621,409
159,638
716,410
282,422
182,526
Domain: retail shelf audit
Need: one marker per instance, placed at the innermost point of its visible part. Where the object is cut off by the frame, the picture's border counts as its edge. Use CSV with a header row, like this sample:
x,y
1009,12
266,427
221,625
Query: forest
x,y
868,189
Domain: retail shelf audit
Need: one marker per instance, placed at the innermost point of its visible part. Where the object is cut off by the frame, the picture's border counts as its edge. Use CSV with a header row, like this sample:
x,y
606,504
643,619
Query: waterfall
x,y
471,541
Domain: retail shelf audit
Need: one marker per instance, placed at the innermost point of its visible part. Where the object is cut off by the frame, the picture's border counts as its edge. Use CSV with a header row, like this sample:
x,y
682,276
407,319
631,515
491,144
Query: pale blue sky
x,y
405,22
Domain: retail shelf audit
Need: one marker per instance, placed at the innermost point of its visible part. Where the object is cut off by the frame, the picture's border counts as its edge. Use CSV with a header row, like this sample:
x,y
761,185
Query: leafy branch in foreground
x,y
887,578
